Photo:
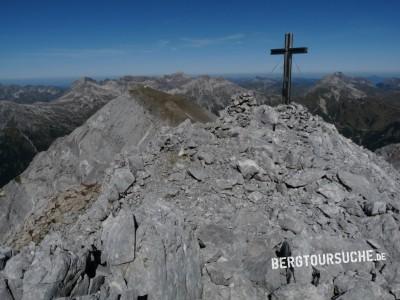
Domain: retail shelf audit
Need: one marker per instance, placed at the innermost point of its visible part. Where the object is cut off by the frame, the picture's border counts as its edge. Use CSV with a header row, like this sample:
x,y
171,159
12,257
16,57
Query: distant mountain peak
x,y
338,84
83,80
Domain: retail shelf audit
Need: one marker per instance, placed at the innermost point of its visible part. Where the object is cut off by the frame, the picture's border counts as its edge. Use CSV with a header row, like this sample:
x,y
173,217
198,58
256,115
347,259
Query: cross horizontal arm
x,y
298,50
277,51
291,50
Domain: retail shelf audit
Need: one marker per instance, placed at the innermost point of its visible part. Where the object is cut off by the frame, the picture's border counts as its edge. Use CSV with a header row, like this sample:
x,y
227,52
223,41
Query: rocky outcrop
x,y
391,153
201,209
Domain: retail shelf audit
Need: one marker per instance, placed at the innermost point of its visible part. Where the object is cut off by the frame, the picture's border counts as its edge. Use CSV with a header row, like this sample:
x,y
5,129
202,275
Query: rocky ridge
x,y
81,157
200,213
26,129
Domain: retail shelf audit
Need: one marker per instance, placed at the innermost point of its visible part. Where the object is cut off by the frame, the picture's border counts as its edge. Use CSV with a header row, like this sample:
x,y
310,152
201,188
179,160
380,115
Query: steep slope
x,y
360,111
39,124
30,93
81,157
200,213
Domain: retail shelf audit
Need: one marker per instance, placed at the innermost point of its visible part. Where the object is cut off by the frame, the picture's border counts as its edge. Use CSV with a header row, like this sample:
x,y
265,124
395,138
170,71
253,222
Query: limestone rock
x,y
167,222
248,168
119,231
375,208
303,178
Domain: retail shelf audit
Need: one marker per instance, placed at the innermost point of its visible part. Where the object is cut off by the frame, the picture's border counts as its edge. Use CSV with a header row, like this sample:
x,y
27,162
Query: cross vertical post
x,y
288,51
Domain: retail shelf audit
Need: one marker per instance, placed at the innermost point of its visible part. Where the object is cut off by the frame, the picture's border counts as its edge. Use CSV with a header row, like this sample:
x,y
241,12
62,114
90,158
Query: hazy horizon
x,y
67,80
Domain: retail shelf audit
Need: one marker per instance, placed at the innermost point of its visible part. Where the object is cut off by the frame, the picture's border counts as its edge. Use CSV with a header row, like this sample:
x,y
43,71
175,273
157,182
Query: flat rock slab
x,y
119,231
198,173
356,183
303,178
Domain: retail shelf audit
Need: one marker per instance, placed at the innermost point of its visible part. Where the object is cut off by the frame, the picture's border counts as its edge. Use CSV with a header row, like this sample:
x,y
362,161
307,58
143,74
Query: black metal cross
x,y
287,68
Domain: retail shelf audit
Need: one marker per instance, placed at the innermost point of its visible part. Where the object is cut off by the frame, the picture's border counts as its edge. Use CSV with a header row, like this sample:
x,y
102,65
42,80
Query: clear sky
x,y
61,38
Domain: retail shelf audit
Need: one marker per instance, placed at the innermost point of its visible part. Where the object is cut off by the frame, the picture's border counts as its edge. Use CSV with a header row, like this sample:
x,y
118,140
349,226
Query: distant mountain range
x,y
30,93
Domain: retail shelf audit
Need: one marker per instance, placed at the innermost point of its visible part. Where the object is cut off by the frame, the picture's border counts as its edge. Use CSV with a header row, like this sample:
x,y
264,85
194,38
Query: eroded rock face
x,y
204,209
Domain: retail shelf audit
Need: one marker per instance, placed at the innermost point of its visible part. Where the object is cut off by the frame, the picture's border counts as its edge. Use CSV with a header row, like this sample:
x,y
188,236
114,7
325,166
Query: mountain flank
x,y
129,208
130,120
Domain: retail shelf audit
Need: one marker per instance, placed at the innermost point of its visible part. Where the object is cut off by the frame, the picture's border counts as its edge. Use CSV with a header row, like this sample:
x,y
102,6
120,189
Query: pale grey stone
x,y
198,173
121,231
375,208
303,178
248,168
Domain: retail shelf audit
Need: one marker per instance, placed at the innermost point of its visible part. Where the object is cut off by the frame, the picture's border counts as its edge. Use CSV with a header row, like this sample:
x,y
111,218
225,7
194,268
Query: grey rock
x,y
51,275
5,254
96,284
291,223
343,283
219,273
248,168
390,153
166,265
366,290
303,178
332,192
395,290
298,292
5,293
165,235
256,196
207,157
225,184
268,116
121,231
355,182
375,208
81,287
198,173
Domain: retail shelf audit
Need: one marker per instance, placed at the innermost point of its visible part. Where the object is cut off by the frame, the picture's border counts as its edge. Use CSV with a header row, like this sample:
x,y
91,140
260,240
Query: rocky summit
x,y
198,211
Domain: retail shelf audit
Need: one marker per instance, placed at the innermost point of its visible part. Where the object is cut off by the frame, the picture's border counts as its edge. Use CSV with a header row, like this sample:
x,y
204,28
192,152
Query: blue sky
x,y
60,38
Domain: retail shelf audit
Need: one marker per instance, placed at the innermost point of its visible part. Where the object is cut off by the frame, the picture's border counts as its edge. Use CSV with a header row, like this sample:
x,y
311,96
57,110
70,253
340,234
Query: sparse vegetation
x,y
173,108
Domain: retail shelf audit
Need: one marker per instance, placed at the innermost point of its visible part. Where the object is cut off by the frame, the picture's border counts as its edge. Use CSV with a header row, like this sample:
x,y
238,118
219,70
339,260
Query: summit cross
x,y
288,51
